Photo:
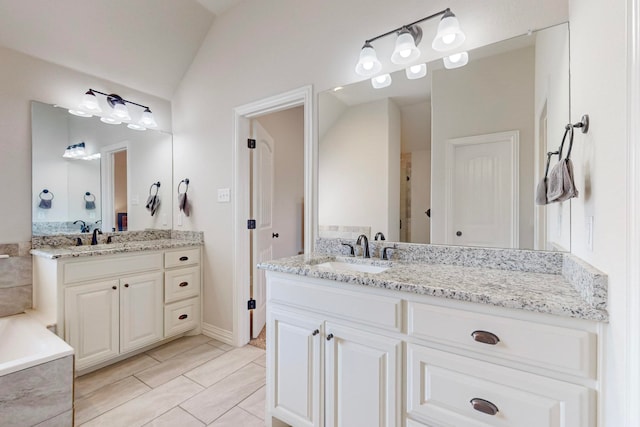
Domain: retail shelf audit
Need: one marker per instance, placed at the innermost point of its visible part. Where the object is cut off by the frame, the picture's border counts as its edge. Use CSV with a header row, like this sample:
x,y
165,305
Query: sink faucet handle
x,y
351,249
385,254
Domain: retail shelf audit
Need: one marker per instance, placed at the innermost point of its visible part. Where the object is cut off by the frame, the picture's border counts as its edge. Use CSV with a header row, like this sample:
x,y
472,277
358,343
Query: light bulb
x,y
449,35
368,63
416,71
90,102
456,60
147,120
381,81
405,50
448,38
121,112
110,120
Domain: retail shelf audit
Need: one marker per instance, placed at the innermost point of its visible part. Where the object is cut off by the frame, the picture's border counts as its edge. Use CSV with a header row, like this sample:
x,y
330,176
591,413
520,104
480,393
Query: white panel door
x,y
482,191
262,189
293,343
362,378
141,310
91,321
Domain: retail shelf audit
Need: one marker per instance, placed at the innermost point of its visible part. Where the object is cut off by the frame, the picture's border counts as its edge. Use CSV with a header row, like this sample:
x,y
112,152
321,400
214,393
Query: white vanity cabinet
x,y
349,355
327,366
108,306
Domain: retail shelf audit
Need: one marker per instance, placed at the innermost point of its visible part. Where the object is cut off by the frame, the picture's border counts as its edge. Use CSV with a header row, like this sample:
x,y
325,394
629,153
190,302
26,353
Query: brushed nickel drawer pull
x,y
485,337
183,284
182,316
184,258
484,406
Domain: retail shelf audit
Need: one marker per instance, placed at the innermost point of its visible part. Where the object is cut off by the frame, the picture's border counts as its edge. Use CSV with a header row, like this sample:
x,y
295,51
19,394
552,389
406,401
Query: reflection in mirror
x,y
452,158
117,169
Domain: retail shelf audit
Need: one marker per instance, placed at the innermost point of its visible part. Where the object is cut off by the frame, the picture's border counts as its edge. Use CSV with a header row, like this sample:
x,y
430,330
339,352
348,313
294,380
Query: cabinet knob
x,y
114,287
182,316
126,285
458,233
329,337
184,258
485,337
183,284
484,406
316,332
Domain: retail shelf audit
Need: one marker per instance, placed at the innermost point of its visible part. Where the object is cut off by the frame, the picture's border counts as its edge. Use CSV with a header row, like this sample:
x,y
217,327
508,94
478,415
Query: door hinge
x,y
251,143
251,304
251,224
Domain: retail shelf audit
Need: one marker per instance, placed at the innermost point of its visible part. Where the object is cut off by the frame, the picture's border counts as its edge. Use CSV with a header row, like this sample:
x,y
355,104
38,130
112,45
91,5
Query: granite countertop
x,y
112,248
538,292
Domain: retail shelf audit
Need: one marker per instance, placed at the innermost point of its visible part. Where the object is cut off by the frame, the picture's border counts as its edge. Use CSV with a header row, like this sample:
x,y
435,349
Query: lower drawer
x,y
181,283
450,390
181,316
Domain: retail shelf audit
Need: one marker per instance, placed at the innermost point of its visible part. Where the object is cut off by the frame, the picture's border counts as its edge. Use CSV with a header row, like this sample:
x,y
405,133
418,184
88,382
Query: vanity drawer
x,y
371,310
181,316
443,388
182,258
110,266
556,348
181,283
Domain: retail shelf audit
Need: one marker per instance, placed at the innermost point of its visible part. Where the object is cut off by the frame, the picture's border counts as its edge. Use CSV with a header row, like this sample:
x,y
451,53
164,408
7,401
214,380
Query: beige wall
x,y
23,79
465,100
599,88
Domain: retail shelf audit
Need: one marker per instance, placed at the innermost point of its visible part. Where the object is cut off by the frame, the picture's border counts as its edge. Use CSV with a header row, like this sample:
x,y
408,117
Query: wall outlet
x,y
589,233
224,195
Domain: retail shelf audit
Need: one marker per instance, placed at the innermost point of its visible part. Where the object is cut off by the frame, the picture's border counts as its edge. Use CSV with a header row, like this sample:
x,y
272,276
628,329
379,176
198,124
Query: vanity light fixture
x,y
449,36
75,151
381,81
416,71
119,110
456,60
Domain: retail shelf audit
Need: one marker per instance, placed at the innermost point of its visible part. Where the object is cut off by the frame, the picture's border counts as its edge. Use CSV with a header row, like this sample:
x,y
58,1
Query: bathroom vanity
x,y
108,301
353,342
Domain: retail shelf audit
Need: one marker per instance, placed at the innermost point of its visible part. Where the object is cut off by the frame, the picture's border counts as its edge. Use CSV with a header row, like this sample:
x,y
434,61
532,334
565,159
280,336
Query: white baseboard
x,y
217,333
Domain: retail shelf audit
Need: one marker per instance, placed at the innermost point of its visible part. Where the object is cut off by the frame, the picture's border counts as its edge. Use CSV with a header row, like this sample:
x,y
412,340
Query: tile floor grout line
x,y
210,385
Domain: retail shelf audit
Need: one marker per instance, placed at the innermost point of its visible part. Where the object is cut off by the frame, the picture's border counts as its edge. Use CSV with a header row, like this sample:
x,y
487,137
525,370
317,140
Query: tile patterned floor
x,y
192,381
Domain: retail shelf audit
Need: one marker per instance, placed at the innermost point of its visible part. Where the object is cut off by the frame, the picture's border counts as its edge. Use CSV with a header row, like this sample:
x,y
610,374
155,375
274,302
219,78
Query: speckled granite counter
x,y
524,290
62,246
112,248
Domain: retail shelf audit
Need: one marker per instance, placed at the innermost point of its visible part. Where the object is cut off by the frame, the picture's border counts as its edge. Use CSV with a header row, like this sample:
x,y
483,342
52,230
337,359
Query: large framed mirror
x,y
87,174
454,157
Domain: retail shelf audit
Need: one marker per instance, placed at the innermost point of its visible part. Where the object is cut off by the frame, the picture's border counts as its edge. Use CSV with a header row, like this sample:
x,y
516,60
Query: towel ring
x,y
186,182
157,185
45,191
88,194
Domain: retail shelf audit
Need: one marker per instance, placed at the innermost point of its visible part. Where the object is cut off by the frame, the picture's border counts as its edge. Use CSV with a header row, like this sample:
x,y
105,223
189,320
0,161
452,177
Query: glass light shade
x,y
90,102
449,35
456,60
80,113
368,64
406,50
134,126
378,82
147,120
110,120
121,112
416,71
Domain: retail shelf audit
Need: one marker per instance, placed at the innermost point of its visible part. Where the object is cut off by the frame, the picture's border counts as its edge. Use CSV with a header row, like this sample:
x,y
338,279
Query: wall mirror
x,y
108,185
454,157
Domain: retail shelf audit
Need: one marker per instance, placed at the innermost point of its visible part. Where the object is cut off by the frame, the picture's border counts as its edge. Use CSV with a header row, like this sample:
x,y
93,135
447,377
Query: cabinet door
x,y
293,360
141,311
91,321
362,378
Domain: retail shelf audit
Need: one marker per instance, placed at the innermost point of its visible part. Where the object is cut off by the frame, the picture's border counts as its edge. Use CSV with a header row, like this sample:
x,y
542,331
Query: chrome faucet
x,y
94,238
364,242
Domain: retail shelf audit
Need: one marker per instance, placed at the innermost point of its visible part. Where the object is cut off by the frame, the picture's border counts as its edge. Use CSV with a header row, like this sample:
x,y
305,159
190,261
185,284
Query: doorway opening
x,y
273,186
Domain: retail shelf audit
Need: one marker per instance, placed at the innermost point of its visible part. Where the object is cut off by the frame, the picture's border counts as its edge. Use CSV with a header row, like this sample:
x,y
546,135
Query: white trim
x,y
302,96
219,334
632,368
513,137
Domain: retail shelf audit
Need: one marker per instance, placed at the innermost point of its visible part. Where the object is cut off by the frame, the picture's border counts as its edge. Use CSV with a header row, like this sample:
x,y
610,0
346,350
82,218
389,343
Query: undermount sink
x,y
348,266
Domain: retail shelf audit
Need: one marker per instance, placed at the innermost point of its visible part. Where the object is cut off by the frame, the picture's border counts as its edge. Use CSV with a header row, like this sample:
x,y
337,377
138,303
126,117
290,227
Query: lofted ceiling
x,y
147,45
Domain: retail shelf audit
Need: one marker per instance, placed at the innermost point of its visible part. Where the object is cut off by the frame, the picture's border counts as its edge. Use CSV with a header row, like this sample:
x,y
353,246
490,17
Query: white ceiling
x,y
147,45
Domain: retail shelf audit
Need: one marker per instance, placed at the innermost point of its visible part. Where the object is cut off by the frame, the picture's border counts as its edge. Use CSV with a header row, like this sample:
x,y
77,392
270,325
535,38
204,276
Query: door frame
x,y
106,183
302,96
513,137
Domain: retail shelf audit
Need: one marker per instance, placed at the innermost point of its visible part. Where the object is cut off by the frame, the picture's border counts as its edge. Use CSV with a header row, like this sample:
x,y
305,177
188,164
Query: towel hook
x,y
583,124
185,181
157,185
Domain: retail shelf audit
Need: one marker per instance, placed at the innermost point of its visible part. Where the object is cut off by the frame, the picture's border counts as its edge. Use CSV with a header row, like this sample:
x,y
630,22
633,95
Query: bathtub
x,y
26,343
36,374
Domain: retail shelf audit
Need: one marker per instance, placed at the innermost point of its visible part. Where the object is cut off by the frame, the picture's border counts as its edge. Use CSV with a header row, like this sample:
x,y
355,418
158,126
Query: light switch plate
x,y
224,195
135,200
